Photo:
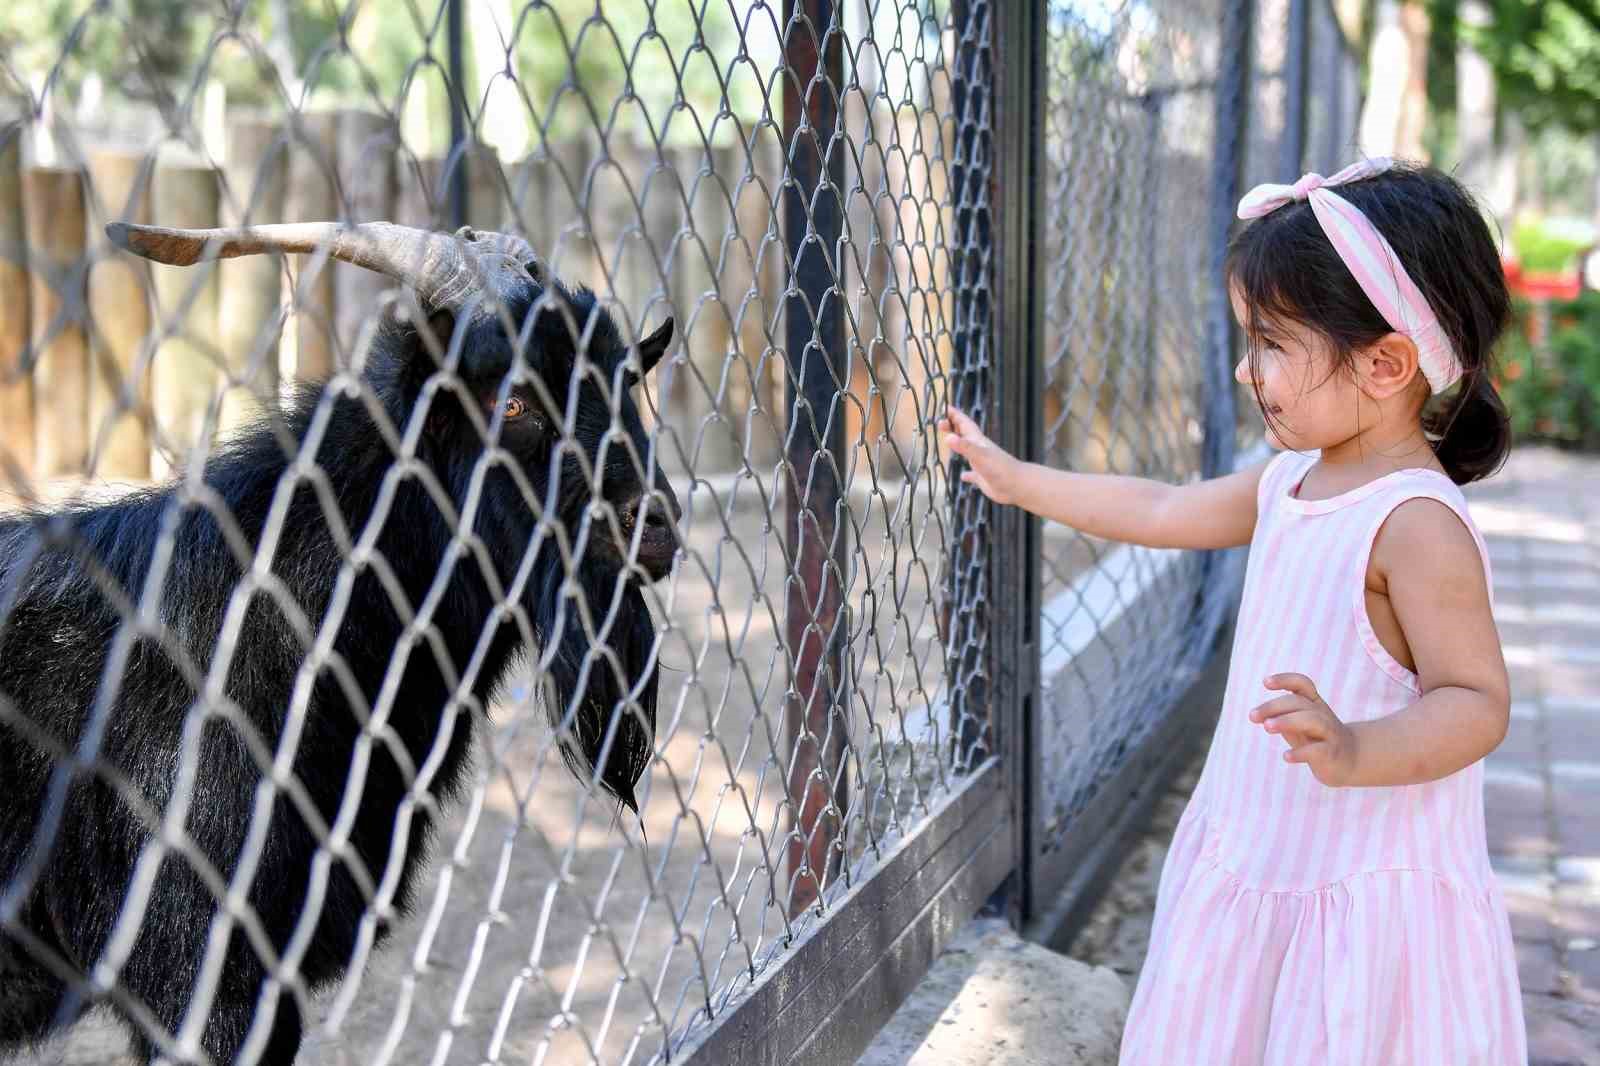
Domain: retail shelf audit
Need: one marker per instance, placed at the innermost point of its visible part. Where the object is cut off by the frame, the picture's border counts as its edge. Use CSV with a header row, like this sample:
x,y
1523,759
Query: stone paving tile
x,y
1542,786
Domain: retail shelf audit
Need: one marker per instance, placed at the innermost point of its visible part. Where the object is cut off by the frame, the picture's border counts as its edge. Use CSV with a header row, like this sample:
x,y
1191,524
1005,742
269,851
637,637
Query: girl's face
x,y
1309,404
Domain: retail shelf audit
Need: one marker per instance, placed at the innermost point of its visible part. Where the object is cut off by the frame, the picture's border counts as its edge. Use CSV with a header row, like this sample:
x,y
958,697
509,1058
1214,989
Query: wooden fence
x,y
114,368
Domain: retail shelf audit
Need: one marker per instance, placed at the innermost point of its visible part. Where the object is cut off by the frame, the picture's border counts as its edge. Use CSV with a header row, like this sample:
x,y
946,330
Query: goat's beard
x,y
601,697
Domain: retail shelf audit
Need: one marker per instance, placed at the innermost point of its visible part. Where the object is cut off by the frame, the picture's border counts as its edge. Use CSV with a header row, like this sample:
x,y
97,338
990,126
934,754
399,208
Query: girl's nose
x,y
1241,371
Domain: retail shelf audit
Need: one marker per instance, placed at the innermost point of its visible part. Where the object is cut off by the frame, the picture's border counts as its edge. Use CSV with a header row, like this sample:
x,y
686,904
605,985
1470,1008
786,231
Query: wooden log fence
x,y
111,367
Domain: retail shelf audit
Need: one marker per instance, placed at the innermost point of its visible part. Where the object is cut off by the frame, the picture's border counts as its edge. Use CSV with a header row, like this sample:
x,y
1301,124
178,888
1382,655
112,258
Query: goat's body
x,y
58,634
71,582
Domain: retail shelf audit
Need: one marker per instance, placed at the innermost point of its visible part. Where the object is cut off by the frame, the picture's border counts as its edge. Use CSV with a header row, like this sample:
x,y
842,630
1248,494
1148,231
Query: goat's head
x,y
487,297
544,372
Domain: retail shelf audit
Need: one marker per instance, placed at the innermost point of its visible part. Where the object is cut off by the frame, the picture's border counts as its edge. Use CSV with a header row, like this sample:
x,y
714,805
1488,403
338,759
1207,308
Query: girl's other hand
x,y
994,472
1315,734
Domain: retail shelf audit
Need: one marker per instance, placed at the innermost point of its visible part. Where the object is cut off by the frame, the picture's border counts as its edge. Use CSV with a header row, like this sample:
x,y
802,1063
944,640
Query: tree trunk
x,y
1474,108
1397,102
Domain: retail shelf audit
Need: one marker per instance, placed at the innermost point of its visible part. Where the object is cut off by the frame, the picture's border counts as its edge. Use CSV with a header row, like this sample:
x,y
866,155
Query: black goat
x,y
398,592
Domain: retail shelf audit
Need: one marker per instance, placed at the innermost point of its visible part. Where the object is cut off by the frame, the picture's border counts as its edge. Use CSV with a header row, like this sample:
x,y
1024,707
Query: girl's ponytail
x,y
1471,434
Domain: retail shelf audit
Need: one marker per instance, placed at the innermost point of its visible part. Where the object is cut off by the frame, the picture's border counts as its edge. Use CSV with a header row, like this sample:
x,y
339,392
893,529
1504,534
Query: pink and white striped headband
x,y
1371,260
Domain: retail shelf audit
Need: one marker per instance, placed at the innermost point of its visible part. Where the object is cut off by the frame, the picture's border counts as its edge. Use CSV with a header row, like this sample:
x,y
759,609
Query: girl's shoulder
x,y
1282,472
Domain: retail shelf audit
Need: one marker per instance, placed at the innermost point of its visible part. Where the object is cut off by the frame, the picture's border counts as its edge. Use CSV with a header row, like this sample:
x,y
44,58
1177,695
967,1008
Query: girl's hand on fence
x,y
1315,734
996,473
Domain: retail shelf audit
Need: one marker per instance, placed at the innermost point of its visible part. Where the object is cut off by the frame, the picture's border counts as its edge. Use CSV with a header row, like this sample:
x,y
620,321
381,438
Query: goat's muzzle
x,y
655,516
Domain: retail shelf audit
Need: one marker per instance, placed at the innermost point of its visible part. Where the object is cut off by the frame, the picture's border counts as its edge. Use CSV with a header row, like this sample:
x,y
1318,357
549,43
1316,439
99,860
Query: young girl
x,y
1327,898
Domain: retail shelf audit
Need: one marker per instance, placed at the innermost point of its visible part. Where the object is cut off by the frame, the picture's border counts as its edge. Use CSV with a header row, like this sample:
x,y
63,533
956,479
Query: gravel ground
x,y
1117,933
549,930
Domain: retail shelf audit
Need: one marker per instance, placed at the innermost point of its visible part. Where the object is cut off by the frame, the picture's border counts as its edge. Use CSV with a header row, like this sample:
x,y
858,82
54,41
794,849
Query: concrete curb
x,y
994,999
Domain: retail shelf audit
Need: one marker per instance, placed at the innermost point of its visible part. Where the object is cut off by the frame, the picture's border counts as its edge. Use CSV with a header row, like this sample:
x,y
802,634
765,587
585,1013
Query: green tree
x,y
1546,59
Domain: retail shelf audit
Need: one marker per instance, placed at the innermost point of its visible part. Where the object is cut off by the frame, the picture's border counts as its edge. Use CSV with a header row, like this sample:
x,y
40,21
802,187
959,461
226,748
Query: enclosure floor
x,y
1541,519
574,979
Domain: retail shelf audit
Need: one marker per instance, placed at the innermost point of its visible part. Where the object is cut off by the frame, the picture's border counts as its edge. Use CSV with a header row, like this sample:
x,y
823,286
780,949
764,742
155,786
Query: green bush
x,y
1548,246
1553,393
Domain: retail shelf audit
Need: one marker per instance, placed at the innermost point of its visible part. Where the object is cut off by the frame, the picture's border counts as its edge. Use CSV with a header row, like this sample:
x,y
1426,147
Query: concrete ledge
x,y
994,999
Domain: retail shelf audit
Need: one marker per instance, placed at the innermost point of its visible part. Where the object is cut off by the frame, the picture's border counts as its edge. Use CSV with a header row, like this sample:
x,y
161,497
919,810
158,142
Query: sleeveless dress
x,y
1302,925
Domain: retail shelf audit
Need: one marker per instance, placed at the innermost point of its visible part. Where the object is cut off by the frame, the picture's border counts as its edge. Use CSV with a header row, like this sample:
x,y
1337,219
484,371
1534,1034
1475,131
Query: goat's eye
x,y
516,408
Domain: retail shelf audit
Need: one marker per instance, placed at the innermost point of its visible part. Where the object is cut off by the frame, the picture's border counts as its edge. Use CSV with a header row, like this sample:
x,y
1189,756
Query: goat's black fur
x,y
62,574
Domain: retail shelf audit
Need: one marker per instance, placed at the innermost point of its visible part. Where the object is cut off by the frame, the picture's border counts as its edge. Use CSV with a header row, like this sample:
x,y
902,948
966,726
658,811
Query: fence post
x,y
186,369
251,286
52,200
1017,366
1227,176
312,197
119,309
817,703
367,143
16,383
1296,71
459,203
964,612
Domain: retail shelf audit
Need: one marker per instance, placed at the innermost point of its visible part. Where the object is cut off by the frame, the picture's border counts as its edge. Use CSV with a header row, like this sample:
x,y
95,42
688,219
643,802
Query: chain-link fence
x,y
1156,117
576,648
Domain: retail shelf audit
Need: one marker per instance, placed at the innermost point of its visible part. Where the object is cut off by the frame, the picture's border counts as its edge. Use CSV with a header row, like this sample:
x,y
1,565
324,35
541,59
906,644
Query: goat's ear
x,y
653,347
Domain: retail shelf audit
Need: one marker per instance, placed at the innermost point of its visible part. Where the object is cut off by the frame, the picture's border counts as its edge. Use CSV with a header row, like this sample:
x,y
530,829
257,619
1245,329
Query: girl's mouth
x,y
1274,410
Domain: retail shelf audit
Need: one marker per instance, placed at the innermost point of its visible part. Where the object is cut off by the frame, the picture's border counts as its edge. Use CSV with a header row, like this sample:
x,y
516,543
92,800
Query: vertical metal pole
x,y
966,609
1149,227
1296,67
1018,368
813,221
458,114
1335,95
1227,178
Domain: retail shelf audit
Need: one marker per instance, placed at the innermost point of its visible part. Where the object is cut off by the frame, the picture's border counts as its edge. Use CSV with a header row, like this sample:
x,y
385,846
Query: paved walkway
x,y
1541,518
1542,785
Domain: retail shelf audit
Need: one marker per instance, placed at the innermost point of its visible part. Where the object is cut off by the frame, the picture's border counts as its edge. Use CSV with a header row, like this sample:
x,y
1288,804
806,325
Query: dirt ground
x,y
1117,933
552,931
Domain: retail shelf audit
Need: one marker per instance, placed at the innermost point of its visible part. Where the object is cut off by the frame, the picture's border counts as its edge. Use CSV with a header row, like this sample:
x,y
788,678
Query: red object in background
x,y
1536,286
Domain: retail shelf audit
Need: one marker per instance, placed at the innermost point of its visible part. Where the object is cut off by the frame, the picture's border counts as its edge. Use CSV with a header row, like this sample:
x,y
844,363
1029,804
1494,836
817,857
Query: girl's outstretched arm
x,y
1219,513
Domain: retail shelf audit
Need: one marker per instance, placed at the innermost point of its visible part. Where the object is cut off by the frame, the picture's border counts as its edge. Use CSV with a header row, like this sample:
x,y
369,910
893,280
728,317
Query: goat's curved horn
x,y
446,271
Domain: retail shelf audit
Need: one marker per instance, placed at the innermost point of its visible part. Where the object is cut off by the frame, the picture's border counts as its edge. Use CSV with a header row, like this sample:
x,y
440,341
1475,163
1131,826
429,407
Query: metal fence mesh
x,y
811,640
233,551
1132,144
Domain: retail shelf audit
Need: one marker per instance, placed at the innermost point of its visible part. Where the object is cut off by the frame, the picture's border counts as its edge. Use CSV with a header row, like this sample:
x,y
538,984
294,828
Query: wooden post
x,y
486,200
119,314
187,366
52,199
367,143
16,384
760,252
312,197
720,384
529,209
573,252
419,192
251,286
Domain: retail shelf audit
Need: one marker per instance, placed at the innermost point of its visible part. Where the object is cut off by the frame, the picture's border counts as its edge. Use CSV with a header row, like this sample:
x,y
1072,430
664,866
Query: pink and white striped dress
x,y
1302,925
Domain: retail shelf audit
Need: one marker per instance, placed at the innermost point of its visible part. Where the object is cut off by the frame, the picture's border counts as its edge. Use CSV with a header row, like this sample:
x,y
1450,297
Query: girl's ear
x,y
1388,366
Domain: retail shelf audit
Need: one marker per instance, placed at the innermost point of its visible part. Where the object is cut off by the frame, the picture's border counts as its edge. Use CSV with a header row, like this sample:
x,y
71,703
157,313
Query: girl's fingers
x,y
964,425
1299,684
1274,707
1304,724
1306,752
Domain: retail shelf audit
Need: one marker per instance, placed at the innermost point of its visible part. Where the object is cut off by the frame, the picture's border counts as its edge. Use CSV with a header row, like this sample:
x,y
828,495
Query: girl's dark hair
x,y
1286,269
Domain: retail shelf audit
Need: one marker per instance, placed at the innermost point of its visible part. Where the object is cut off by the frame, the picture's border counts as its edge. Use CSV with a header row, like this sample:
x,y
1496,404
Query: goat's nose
x,y
659,515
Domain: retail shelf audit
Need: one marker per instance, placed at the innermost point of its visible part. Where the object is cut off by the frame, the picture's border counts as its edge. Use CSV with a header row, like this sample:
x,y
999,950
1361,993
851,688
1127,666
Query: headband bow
x,y
1370,259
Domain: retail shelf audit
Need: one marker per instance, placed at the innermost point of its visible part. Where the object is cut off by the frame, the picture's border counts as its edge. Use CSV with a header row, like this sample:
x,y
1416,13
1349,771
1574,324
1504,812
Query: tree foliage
x,y
1546,59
